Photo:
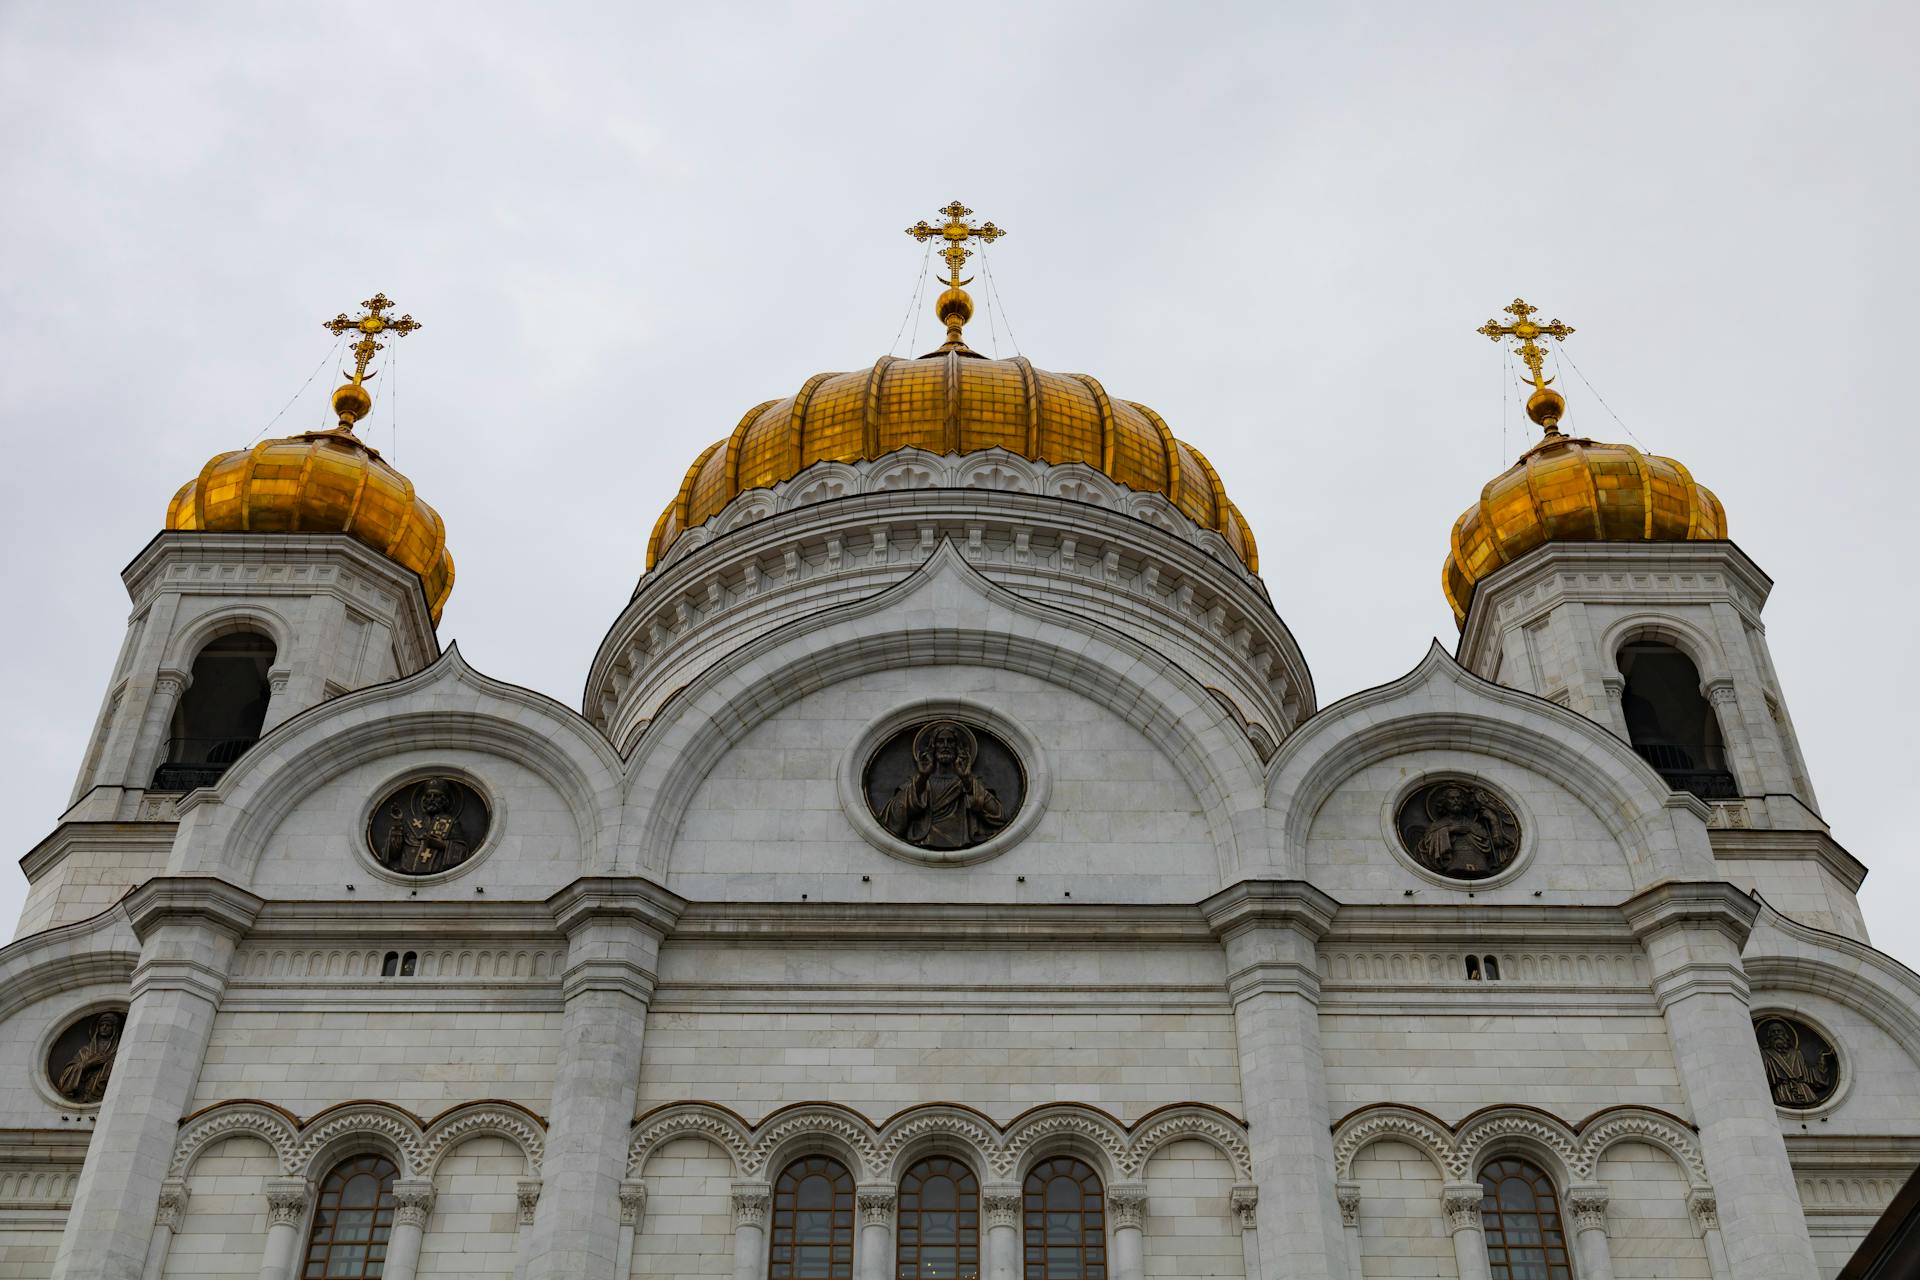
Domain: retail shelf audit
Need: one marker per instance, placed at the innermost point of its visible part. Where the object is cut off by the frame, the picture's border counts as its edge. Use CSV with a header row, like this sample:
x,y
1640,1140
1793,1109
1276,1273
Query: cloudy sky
x,y
1278,225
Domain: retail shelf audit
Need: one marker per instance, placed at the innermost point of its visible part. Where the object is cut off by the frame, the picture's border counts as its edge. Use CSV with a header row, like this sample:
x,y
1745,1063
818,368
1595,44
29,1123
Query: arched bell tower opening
x,y
221,712
1671,723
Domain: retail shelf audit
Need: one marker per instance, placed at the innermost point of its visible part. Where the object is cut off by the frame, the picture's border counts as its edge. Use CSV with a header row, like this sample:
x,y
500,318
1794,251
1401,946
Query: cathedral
x,y
949,871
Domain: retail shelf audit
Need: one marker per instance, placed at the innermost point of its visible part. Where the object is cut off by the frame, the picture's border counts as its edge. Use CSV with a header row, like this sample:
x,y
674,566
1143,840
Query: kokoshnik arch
x,y
949,872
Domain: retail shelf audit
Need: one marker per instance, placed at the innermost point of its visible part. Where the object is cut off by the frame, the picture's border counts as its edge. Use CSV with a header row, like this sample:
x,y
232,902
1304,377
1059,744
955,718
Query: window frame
x,y
907,1253
1093,1225
1549,1223
379,1230
841,1232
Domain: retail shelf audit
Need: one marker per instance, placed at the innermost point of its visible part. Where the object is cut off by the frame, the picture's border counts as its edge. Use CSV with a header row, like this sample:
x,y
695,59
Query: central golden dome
x,y
953,401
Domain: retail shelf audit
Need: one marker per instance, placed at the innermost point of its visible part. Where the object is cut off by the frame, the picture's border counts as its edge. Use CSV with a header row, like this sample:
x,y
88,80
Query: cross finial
x,y
1545,405
352,401
955,307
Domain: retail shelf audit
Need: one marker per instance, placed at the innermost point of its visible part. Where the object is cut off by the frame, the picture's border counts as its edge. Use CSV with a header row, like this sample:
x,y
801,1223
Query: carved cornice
x,y
628,899
1284,904
191,900
1707,904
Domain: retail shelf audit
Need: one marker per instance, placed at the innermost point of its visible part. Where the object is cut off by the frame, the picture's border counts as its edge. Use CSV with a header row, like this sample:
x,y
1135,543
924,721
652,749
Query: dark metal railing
x,y
1676,765
197,762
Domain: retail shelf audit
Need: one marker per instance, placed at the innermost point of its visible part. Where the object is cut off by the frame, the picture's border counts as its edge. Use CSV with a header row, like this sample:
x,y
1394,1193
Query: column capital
x,y
1244,1199
527,1193
1587,1202
633,1201
614,927
1127,1205
412,1200
1703,904
191,900
171,682
634,899
1000,1201
1283,904
1348,1194
750,1202
287,1200
174,1194
1460,1201
1705,1208
875,1200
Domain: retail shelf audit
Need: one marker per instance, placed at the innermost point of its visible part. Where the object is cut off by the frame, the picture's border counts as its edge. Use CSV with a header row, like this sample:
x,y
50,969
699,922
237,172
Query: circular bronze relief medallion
x,y
1458,829
81,1059
428,826
941,784
1803,1069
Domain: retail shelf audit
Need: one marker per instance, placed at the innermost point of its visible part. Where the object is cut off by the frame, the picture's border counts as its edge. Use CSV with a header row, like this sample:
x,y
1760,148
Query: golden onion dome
x,y
321,482
1566,489
953,401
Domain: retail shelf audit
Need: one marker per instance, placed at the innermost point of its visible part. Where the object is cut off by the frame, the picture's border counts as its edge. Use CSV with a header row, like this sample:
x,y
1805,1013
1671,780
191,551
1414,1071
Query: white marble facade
x,y
684,955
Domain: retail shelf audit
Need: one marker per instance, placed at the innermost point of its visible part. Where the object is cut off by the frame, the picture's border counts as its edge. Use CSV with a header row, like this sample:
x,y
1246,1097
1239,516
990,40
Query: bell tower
x,y
1602,578
287,573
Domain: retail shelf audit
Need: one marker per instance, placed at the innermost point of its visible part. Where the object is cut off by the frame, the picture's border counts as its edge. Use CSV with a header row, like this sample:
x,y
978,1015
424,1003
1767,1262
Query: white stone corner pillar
x,y
1348,1194
633,1208
1000,1205
614,928
874,1259
412,1206
1127,1212
288,1200
188,927
751,1203
1460,1201
1587,1205
166,1221
1693,932
1270,930
1705,1208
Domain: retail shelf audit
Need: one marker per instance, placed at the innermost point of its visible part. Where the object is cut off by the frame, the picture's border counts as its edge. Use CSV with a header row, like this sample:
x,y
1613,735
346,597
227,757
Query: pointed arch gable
x,y
945,612
1440,704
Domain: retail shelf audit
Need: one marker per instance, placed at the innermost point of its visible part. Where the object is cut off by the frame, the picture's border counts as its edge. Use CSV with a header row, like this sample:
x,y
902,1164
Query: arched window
x,y
352,1221
1670,724
1521,1217
939,1233
813,1221
221,712
1066,1222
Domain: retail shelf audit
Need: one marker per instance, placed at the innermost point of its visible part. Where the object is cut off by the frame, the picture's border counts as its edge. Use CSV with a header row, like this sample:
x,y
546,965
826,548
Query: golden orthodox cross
x,y
1525,329
375,321
956,231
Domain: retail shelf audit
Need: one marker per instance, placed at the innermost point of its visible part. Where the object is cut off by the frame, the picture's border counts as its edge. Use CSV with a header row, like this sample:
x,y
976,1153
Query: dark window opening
x,y
391,965
1671,724
812,1222
1473,968
220,713
409,964
1066,1222
1492,966
939,1233
1520,1215
352,1221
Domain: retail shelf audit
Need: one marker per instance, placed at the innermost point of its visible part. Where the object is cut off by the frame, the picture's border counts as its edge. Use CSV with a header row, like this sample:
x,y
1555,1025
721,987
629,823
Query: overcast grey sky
x,y
1279,225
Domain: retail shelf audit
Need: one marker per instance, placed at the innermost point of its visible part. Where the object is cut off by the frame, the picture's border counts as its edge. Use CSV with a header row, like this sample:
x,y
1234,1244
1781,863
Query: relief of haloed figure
x,y
950,797
1799,1062
1459,830
428,826
81,1062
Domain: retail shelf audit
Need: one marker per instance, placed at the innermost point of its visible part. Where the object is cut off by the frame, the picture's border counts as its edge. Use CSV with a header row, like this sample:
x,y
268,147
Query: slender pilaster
x,y
288,1200
1693,933
1348,1193
1127,1214
1000,1205
1270,929
1587,1206
188,927
1460,1201
412,1206
1704,1206
166,1221
750,1203
633,1207
614,928
875,1255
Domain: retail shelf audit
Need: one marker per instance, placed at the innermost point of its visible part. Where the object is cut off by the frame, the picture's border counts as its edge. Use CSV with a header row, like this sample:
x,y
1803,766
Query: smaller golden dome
x,y
321,482
1573,490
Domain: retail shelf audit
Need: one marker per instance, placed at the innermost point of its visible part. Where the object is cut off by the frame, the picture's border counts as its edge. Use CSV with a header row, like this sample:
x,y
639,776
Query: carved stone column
x,y
188,927
1693,933
150,747
1127,1212
1270,930
1460,1201
166,1221
412,1206
875,1256
751,1201
1245,1201
1587,1206
1348,1194
614,928
526,1194
287,1201
1000,1204
1705,1208
633,1207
